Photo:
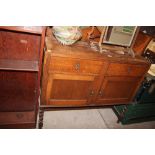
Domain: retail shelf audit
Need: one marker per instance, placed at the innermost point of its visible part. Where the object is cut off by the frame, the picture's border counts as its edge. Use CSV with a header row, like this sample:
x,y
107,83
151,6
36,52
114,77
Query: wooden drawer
x,y
17,117
118,69
70,65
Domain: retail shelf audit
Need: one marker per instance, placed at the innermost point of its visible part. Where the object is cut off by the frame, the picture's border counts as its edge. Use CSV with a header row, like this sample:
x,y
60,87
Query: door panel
x,y
117,90
19,46
17,91
64,89
60,86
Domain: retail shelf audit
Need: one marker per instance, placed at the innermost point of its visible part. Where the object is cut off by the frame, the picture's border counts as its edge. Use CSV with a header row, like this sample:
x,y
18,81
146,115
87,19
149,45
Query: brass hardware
x,y
19,115
100,93
92,93
77,66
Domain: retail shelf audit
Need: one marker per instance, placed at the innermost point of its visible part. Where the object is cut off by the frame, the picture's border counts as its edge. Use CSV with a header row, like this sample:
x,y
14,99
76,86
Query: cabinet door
x,y
17,91
67,90
116,90
19,46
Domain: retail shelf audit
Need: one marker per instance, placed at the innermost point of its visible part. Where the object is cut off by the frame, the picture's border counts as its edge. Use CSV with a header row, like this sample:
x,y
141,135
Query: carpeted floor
x,y
88,119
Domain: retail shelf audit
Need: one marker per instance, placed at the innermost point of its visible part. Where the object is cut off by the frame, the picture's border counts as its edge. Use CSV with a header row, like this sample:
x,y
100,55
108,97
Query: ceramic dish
x,y
67,35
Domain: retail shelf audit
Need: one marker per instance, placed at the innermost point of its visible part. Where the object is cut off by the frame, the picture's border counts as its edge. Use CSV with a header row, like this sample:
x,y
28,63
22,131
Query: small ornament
x,y
67,35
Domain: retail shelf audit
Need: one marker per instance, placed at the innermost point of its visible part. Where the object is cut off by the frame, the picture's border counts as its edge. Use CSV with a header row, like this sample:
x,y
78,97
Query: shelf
x,y
18,65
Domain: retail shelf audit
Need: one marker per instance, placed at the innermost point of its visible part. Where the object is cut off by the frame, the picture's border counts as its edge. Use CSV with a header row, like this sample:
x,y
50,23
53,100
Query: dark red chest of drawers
x,y
21,51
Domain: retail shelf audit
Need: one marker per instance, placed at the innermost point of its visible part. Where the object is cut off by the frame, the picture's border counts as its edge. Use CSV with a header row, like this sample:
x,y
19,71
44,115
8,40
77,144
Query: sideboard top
x,y
83,51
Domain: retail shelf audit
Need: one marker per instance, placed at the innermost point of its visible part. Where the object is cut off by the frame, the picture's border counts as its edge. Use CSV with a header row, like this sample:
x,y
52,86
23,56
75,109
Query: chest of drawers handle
x,y
91,93
100,93
77,66
19,115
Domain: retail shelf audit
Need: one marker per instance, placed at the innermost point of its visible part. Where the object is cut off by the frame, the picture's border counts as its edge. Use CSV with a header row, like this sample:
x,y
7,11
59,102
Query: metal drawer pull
x,y
100,93
77,66
19,115
91,93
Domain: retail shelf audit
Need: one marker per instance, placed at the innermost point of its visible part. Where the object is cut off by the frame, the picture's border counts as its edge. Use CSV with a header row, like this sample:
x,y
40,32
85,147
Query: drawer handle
x,y
19,115
100,93
91,93
77,66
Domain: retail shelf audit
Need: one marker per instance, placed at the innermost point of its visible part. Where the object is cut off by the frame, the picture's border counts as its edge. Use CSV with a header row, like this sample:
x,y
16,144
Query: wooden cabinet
x,y
76,76
21,50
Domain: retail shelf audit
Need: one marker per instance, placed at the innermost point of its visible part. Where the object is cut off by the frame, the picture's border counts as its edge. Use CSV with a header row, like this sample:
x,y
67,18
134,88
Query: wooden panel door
x,y
68,90
117,90
19,46
17,91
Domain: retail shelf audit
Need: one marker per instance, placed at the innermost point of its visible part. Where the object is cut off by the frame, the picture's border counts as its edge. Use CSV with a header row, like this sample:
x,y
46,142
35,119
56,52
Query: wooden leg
x,y
41,116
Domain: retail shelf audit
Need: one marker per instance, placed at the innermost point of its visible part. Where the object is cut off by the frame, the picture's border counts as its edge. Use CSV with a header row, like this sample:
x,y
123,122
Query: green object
x,y
135,113
142,109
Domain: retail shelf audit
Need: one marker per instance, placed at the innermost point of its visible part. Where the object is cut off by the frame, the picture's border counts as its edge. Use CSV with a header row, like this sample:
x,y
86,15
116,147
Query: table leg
x,y
41,116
